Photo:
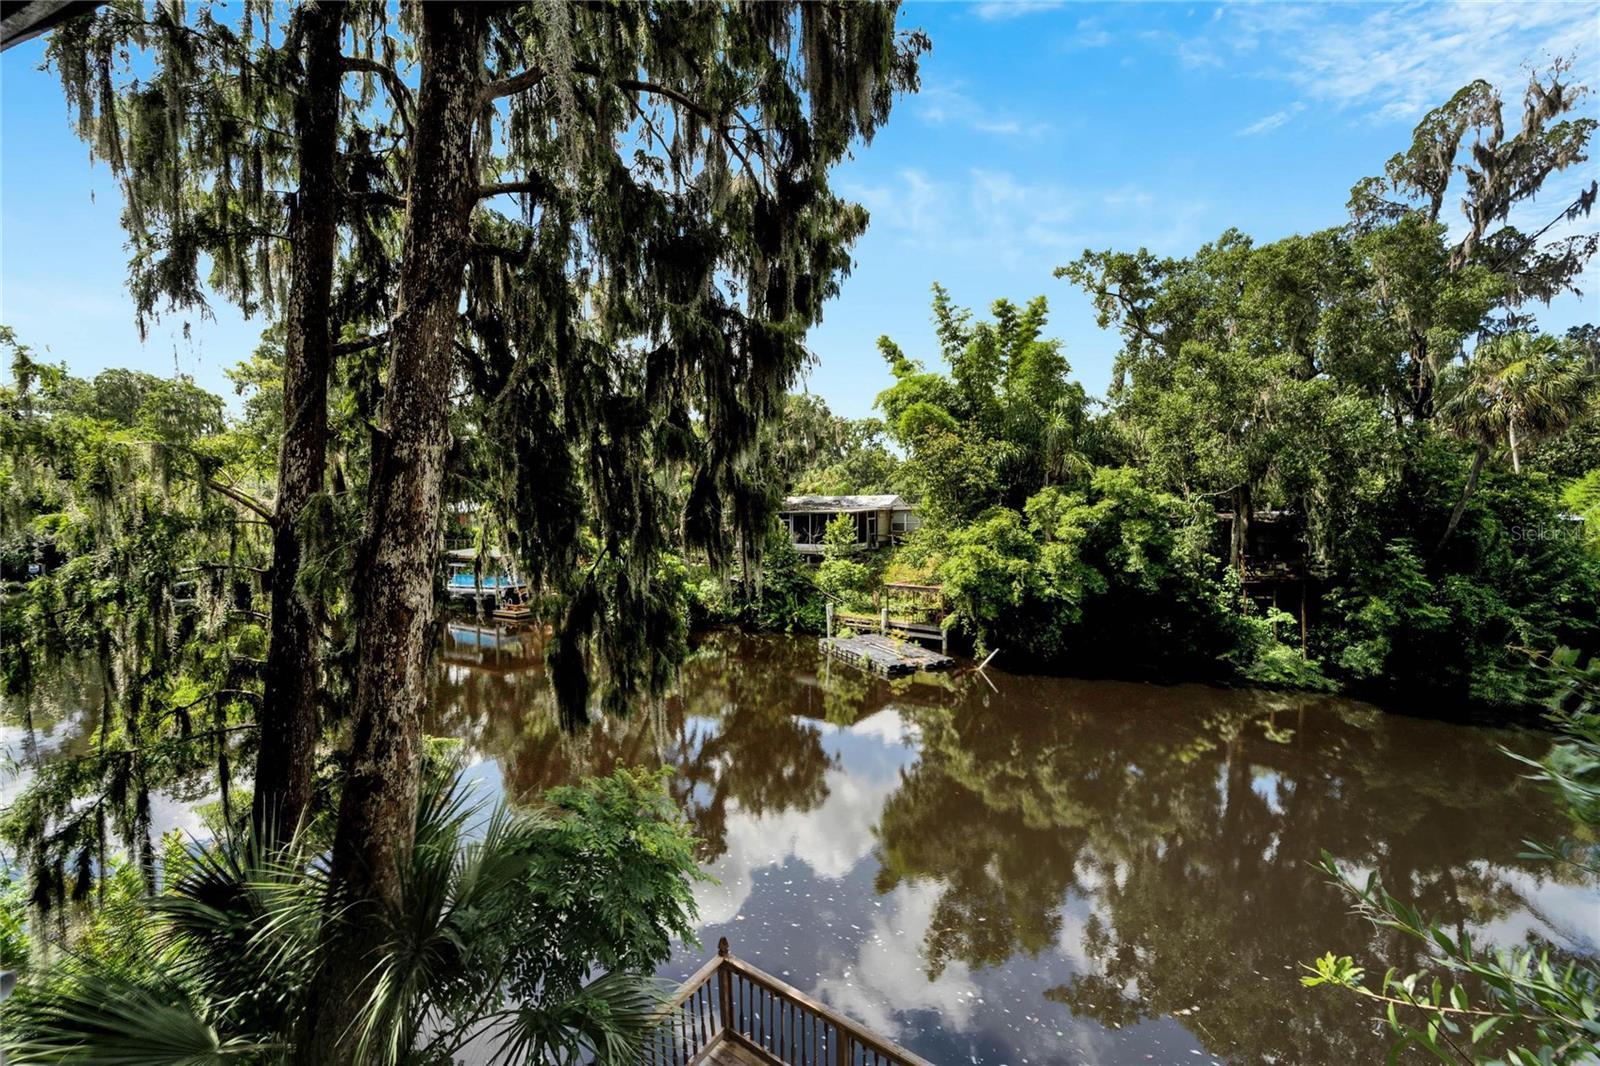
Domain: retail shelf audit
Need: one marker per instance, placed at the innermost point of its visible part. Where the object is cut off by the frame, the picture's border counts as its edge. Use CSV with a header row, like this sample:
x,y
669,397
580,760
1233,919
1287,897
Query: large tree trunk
x,y
1467,490
396,562
289,709
1240,530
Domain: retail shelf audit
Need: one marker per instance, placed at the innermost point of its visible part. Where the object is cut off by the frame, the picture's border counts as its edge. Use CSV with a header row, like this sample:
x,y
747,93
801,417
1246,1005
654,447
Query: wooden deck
x,y
726,1052
884,656
732,1014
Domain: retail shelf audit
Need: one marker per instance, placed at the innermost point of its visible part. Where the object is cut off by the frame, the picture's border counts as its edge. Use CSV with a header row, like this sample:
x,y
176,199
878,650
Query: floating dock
x,y
884,656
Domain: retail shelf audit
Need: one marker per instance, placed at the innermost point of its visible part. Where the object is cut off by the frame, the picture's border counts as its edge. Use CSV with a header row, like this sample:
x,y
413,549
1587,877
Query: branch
x,y
195,569
670,93
260,616
512,85
531,186
379,196
399,92
361,344
513,256
1565,214
686,101
244,499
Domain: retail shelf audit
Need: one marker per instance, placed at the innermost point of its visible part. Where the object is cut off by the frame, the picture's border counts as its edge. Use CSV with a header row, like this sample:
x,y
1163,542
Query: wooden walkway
x,y
883,655
732,1014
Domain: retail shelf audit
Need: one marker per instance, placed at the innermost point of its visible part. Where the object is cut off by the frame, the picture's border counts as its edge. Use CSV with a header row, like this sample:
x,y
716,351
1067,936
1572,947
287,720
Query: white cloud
x,y
1091,33
994,10
993,216
831,840
942,105
888,979
1394,62
1273,121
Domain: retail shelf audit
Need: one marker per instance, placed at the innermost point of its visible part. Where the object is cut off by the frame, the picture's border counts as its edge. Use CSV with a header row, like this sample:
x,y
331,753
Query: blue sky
x,y
1042,129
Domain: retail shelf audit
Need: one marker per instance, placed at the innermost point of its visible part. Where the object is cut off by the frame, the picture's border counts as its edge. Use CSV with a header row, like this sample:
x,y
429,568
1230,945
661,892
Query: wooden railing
x,y
728,999
691,1021
884,623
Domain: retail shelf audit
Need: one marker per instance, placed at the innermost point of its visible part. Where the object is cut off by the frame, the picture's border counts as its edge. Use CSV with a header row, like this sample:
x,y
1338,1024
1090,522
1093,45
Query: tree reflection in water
x,y
1154,844
1035,869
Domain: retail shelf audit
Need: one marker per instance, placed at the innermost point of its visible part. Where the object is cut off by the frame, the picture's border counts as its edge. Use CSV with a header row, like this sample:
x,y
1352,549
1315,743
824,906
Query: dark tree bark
x,y
289,707
396,561
1478,459
1240,529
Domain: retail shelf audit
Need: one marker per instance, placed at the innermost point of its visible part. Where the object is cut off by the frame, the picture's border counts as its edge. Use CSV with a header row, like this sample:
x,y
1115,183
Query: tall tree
x,y
289,733
1007,419
1463,144
1516,390
209,171
396,559
646,306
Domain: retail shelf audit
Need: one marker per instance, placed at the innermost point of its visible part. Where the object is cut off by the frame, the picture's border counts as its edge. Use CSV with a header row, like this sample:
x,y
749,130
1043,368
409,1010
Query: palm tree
x,y
222,969
1516,390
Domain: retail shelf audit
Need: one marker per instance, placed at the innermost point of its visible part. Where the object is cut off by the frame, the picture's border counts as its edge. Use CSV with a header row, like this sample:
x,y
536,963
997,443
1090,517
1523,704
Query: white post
x,y
830,619
883,622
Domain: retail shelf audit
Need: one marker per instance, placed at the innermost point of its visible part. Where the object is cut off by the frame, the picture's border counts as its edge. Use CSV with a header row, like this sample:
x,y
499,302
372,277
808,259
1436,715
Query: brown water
x,y
1043,870
1021,869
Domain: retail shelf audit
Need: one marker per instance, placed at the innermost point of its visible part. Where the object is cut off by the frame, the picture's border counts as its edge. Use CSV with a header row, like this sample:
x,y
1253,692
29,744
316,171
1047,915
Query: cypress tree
x,y
643,307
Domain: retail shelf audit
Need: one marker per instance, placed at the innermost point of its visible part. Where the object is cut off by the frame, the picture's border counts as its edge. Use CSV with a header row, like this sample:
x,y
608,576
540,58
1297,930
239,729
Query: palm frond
x,y
89,1019
607,1020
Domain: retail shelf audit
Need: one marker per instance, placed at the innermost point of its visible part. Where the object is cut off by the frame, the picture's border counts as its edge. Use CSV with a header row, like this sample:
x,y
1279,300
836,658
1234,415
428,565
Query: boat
x,y
513,605
482,578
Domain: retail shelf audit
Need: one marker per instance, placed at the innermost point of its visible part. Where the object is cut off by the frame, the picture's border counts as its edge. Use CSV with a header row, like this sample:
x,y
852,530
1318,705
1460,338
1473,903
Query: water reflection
x,y
1047,870
1041,870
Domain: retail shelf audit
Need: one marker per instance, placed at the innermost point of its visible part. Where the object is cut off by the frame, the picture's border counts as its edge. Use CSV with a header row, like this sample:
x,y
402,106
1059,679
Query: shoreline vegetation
x,y
539,279
1346,460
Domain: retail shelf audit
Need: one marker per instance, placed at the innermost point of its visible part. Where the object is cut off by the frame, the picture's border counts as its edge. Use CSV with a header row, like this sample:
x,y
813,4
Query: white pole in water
x,y
830,619
991,655
883,622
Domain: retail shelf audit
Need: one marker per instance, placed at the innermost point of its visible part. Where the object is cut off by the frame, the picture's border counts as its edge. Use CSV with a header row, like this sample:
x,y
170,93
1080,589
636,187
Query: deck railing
x,y
728,999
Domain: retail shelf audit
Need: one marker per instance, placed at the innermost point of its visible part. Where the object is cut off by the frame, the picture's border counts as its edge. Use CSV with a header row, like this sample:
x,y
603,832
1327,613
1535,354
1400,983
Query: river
x,y
998,869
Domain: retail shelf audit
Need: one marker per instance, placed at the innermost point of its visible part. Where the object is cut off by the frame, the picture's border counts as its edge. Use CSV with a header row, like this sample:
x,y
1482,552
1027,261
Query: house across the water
x,y
879,520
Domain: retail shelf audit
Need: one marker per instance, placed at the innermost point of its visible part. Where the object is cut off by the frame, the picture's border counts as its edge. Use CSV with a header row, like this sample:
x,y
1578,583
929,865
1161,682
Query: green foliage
x,y
1005,422
842,577
1515,576
1266,660
1582,500
13,923
132,499
785,596
608,886
1516,1005
1118,575
501,920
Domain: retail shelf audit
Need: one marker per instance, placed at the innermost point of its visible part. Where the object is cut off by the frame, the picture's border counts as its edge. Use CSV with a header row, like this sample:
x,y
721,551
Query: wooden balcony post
x,y
844,1051
725,987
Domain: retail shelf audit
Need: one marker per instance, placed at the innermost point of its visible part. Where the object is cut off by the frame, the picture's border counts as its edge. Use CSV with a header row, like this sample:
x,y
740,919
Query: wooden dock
x,y
884,656
732,1014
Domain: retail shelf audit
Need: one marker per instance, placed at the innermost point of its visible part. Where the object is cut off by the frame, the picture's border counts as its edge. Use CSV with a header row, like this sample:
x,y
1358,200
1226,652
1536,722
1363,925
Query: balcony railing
x,y
731,1012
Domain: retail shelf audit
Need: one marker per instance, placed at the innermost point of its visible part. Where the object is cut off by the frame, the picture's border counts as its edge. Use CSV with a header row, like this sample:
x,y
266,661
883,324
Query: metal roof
x,y
842,504
22,20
